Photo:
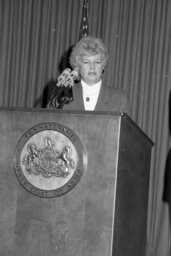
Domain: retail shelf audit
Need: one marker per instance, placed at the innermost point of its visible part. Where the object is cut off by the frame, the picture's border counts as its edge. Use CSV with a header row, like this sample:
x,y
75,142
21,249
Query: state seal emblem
x,y
49,160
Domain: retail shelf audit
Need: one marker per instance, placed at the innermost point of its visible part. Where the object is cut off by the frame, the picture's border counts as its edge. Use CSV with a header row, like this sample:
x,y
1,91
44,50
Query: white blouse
x,y
90,94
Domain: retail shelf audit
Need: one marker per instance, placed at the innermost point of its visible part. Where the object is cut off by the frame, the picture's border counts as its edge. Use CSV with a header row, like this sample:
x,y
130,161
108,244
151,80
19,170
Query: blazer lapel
x,y
77,97
103,99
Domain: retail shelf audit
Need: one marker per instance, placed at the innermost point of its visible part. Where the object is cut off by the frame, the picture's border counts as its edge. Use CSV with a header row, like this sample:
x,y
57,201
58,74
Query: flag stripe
x,y
84,26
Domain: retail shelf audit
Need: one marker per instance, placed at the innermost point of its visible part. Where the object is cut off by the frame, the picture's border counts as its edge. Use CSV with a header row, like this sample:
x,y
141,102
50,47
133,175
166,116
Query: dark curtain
x,y
35,37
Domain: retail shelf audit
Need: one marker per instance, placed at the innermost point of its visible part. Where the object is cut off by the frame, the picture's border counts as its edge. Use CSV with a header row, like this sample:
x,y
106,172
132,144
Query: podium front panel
x,y
80,221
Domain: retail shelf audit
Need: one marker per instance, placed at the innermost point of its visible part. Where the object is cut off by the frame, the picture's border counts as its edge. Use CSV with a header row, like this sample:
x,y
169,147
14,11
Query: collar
x,y
88,90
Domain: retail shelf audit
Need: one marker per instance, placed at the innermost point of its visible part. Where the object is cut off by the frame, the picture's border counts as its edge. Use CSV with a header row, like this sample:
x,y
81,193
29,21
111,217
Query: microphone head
x,y
68,77
74,74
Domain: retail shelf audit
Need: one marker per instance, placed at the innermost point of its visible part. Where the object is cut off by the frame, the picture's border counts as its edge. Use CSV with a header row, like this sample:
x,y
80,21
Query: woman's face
x,y
91,68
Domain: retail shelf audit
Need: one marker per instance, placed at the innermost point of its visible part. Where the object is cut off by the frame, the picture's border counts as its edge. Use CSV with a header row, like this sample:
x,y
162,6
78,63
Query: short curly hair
x,y
88,46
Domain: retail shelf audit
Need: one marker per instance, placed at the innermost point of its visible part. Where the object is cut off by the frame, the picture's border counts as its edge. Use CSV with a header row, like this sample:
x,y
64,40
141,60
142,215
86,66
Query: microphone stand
x,y
65,83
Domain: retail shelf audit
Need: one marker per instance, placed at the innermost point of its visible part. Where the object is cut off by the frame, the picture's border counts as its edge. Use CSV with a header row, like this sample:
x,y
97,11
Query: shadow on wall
x,y
50,88
167,178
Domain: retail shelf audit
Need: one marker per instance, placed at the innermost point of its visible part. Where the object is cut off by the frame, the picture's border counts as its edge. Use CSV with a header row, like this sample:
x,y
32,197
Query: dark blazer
x,y
109,100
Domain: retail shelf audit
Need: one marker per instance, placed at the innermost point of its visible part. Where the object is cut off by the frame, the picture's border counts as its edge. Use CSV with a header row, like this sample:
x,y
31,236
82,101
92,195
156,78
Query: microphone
x,y
67,78
64,94
65,82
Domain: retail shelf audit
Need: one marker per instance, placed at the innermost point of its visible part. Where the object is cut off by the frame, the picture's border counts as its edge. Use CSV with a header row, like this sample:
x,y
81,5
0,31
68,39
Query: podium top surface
x,y
61,111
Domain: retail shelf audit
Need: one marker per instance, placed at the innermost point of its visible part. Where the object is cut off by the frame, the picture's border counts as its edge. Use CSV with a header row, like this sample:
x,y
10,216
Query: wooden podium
x,y
96,206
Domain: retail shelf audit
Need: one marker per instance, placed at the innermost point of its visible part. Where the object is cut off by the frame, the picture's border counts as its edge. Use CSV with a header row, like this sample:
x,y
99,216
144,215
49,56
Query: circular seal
x,y
49,160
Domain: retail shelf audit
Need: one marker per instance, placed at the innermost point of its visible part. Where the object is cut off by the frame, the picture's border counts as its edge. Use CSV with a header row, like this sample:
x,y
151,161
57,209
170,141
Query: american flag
x,y
84,26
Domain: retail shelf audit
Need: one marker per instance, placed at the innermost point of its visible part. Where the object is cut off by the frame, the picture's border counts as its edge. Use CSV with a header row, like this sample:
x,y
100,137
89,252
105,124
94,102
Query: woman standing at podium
x,y
88,59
